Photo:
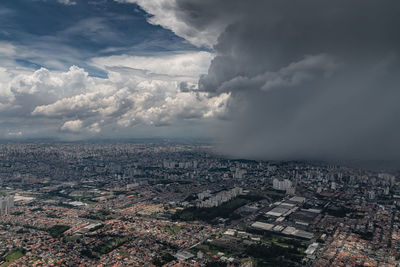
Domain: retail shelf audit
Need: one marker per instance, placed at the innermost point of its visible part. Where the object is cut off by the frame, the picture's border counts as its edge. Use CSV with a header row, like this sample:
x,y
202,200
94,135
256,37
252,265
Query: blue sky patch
x,y
58,35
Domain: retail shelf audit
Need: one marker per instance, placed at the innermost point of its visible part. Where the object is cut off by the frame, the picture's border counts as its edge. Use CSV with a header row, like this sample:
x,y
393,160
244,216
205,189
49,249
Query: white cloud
x,y
95,29
190,64
165,14
129,100
53,83
67,2
15,134
5,92
137,91
7,49
72,126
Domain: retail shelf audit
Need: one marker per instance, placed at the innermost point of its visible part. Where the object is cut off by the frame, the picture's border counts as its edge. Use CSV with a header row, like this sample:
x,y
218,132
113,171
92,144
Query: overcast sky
x,y
268,79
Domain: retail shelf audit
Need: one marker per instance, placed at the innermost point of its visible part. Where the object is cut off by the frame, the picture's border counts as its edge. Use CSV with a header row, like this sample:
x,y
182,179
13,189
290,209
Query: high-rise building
x,y
333,185
282,185
291,191
371,195
6,204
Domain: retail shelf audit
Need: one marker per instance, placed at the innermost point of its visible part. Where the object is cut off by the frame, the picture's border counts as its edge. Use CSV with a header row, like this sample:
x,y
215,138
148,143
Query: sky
x,y
98,69
312,79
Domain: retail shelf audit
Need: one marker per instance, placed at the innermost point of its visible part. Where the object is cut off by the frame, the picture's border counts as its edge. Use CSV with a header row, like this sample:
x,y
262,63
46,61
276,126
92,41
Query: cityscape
x,y
199,133
180,204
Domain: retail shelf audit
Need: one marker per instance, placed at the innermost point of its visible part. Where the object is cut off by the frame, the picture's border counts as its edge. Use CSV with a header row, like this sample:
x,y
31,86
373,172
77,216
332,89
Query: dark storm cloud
x,y
308,79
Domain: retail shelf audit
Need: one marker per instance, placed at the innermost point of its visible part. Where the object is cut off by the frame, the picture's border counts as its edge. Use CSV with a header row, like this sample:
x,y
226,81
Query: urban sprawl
x,y
181,204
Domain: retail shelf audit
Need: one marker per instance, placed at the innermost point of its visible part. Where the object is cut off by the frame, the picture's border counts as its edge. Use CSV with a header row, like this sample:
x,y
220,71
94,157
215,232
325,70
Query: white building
x,y
291,191
6,204
371,195
282,185
219,198
333,186
239,173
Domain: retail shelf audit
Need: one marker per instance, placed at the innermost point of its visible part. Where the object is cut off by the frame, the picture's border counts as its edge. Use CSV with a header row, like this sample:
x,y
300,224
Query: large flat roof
x,y
303,234
184,255
262,226
298,199
278,211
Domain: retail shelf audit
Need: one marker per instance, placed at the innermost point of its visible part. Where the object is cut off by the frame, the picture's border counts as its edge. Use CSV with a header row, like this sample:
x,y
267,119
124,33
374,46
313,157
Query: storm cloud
x,y
307,79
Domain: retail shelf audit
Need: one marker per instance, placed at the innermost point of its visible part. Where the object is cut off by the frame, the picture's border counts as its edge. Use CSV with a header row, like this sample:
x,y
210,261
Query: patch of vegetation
x,y
33,227
253,198
71,238
52,215
288,242
54,193
215,264
172,229
100,215
338,211
22,231
164,259
208,247
275,255
96,227
13,256
66,205
88,253
57,193
366,236
110,245
57,230
125,206
191,197
37,209
117,193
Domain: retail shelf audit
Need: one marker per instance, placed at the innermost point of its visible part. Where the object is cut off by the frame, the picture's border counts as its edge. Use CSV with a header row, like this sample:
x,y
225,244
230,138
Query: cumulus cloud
x,y
149,94
72,126
41,87
129,100
307,79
